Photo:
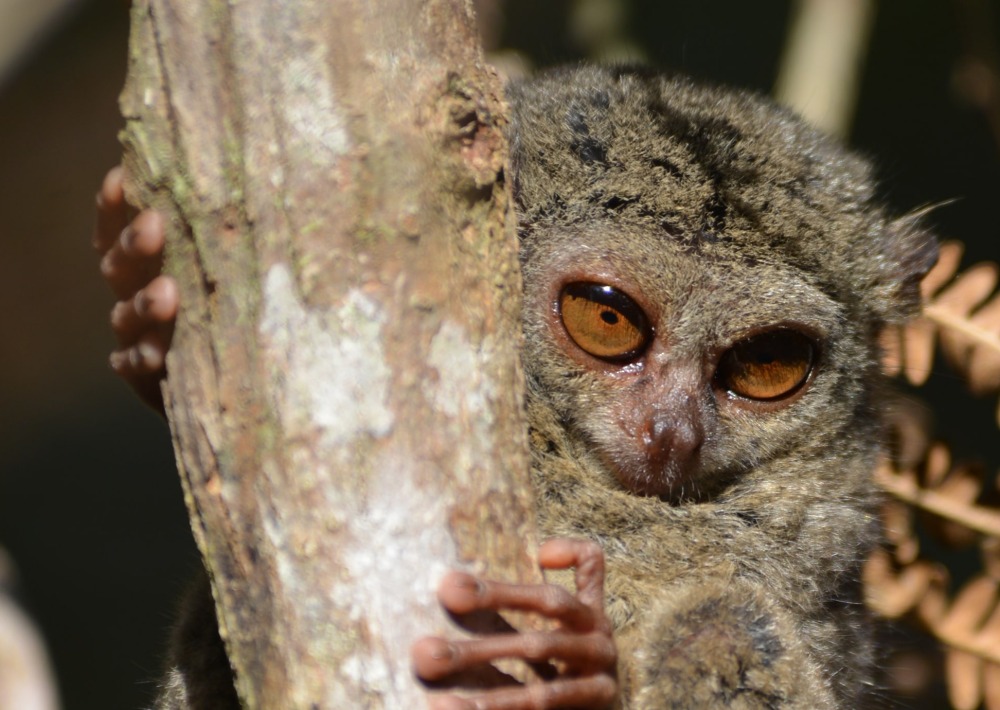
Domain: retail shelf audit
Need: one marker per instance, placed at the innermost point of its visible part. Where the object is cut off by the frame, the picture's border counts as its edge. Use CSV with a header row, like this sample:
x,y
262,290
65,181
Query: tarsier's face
x,y
704,280
680,370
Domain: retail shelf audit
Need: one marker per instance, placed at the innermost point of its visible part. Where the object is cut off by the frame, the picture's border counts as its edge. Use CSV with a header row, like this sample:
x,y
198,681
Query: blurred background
x,y
90,505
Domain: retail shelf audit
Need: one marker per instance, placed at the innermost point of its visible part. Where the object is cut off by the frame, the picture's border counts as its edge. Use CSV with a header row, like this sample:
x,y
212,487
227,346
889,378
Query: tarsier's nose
x,y
674,435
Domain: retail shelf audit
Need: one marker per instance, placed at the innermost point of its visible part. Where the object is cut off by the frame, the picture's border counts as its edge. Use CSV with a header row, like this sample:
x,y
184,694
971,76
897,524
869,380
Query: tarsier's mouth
x,y
668,478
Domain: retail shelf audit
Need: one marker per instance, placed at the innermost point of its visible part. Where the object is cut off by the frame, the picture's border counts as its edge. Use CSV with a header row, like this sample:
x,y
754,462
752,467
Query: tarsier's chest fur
x,y
723,214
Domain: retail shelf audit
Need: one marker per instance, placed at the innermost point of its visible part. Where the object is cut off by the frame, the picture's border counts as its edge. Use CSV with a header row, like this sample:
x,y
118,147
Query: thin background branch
x,y
822,61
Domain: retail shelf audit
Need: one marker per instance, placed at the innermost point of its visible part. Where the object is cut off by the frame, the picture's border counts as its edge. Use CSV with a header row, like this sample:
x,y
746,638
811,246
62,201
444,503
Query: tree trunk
x,y
344,391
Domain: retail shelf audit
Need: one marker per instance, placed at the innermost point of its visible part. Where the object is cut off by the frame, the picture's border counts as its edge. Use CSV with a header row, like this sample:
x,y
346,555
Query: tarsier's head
x,y
705,277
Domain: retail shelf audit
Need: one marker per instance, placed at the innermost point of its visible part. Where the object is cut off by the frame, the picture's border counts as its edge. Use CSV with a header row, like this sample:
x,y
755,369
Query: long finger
x,y
144,359
143,367
112,212
152,308
136,257
592,692
587,558
462,593
436,658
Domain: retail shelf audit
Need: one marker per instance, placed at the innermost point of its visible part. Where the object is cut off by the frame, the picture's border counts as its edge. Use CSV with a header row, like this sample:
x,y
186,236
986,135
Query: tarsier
x,y
705,277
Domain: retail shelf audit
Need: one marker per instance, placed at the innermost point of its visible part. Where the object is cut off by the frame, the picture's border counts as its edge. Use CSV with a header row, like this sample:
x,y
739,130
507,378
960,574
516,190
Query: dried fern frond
x,y
970,626
900,582
909,351
893,590
947,492
898,579
963,314
947,500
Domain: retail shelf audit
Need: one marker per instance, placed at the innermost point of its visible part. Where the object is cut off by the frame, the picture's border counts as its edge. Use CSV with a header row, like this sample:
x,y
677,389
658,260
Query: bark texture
x,y
343,391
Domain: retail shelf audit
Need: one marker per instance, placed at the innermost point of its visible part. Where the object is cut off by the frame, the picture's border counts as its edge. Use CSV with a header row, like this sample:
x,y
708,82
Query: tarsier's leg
x,y
582,645
131,261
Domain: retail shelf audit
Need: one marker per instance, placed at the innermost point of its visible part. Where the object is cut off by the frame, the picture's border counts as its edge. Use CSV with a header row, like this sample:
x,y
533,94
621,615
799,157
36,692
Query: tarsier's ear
x,y
908,250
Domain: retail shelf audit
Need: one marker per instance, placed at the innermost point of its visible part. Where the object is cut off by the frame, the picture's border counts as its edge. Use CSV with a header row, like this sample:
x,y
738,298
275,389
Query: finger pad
x,y
431,658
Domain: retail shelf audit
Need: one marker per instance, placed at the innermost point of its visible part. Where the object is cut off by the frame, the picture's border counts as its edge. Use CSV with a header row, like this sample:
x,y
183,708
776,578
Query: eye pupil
x,y
603,321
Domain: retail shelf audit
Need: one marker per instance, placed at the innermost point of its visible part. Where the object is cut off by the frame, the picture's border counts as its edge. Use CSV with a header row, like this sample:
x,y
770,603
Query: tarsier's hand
x,y
582,646
131,261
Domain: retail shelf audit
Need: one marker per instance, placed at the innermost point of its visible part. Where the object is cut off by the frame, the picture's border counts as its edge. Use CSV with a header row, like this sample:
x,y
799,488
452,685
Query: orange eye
x,y
768,366
603,321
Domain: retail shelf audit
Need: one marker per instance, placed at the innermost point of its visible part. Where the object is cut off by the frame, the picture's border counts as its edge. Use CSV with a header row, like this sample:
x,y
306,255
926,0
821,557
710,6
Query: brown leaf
x,y
970,626
990,550
968,321
964,672
972,287
919,338
903,484
897,525
933,606
972,606
908,426
981,363
962,484
937,465
890,340
963,313
991,686
911,349
891,592
949,257
968,298
988,635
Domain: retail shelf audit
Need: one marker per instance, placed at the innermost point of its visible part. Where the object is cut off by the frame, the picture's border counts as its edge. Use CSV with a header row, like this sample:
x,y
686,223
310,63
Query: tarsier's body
x,y
705,278
725,219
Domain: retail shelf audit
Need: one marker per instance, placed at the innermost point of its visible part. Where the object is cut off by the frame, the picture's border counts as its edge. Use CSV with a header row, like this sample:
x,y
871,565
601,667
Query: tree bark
x,y
344,391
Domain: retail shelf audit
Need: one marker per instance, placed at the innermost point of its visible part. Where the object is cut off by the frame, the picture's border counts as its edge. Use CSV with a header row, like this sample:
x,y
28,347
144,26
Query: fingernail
x,y
444,652
117,361
149,356
143,301
127,237
467,581
134,357
118,314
